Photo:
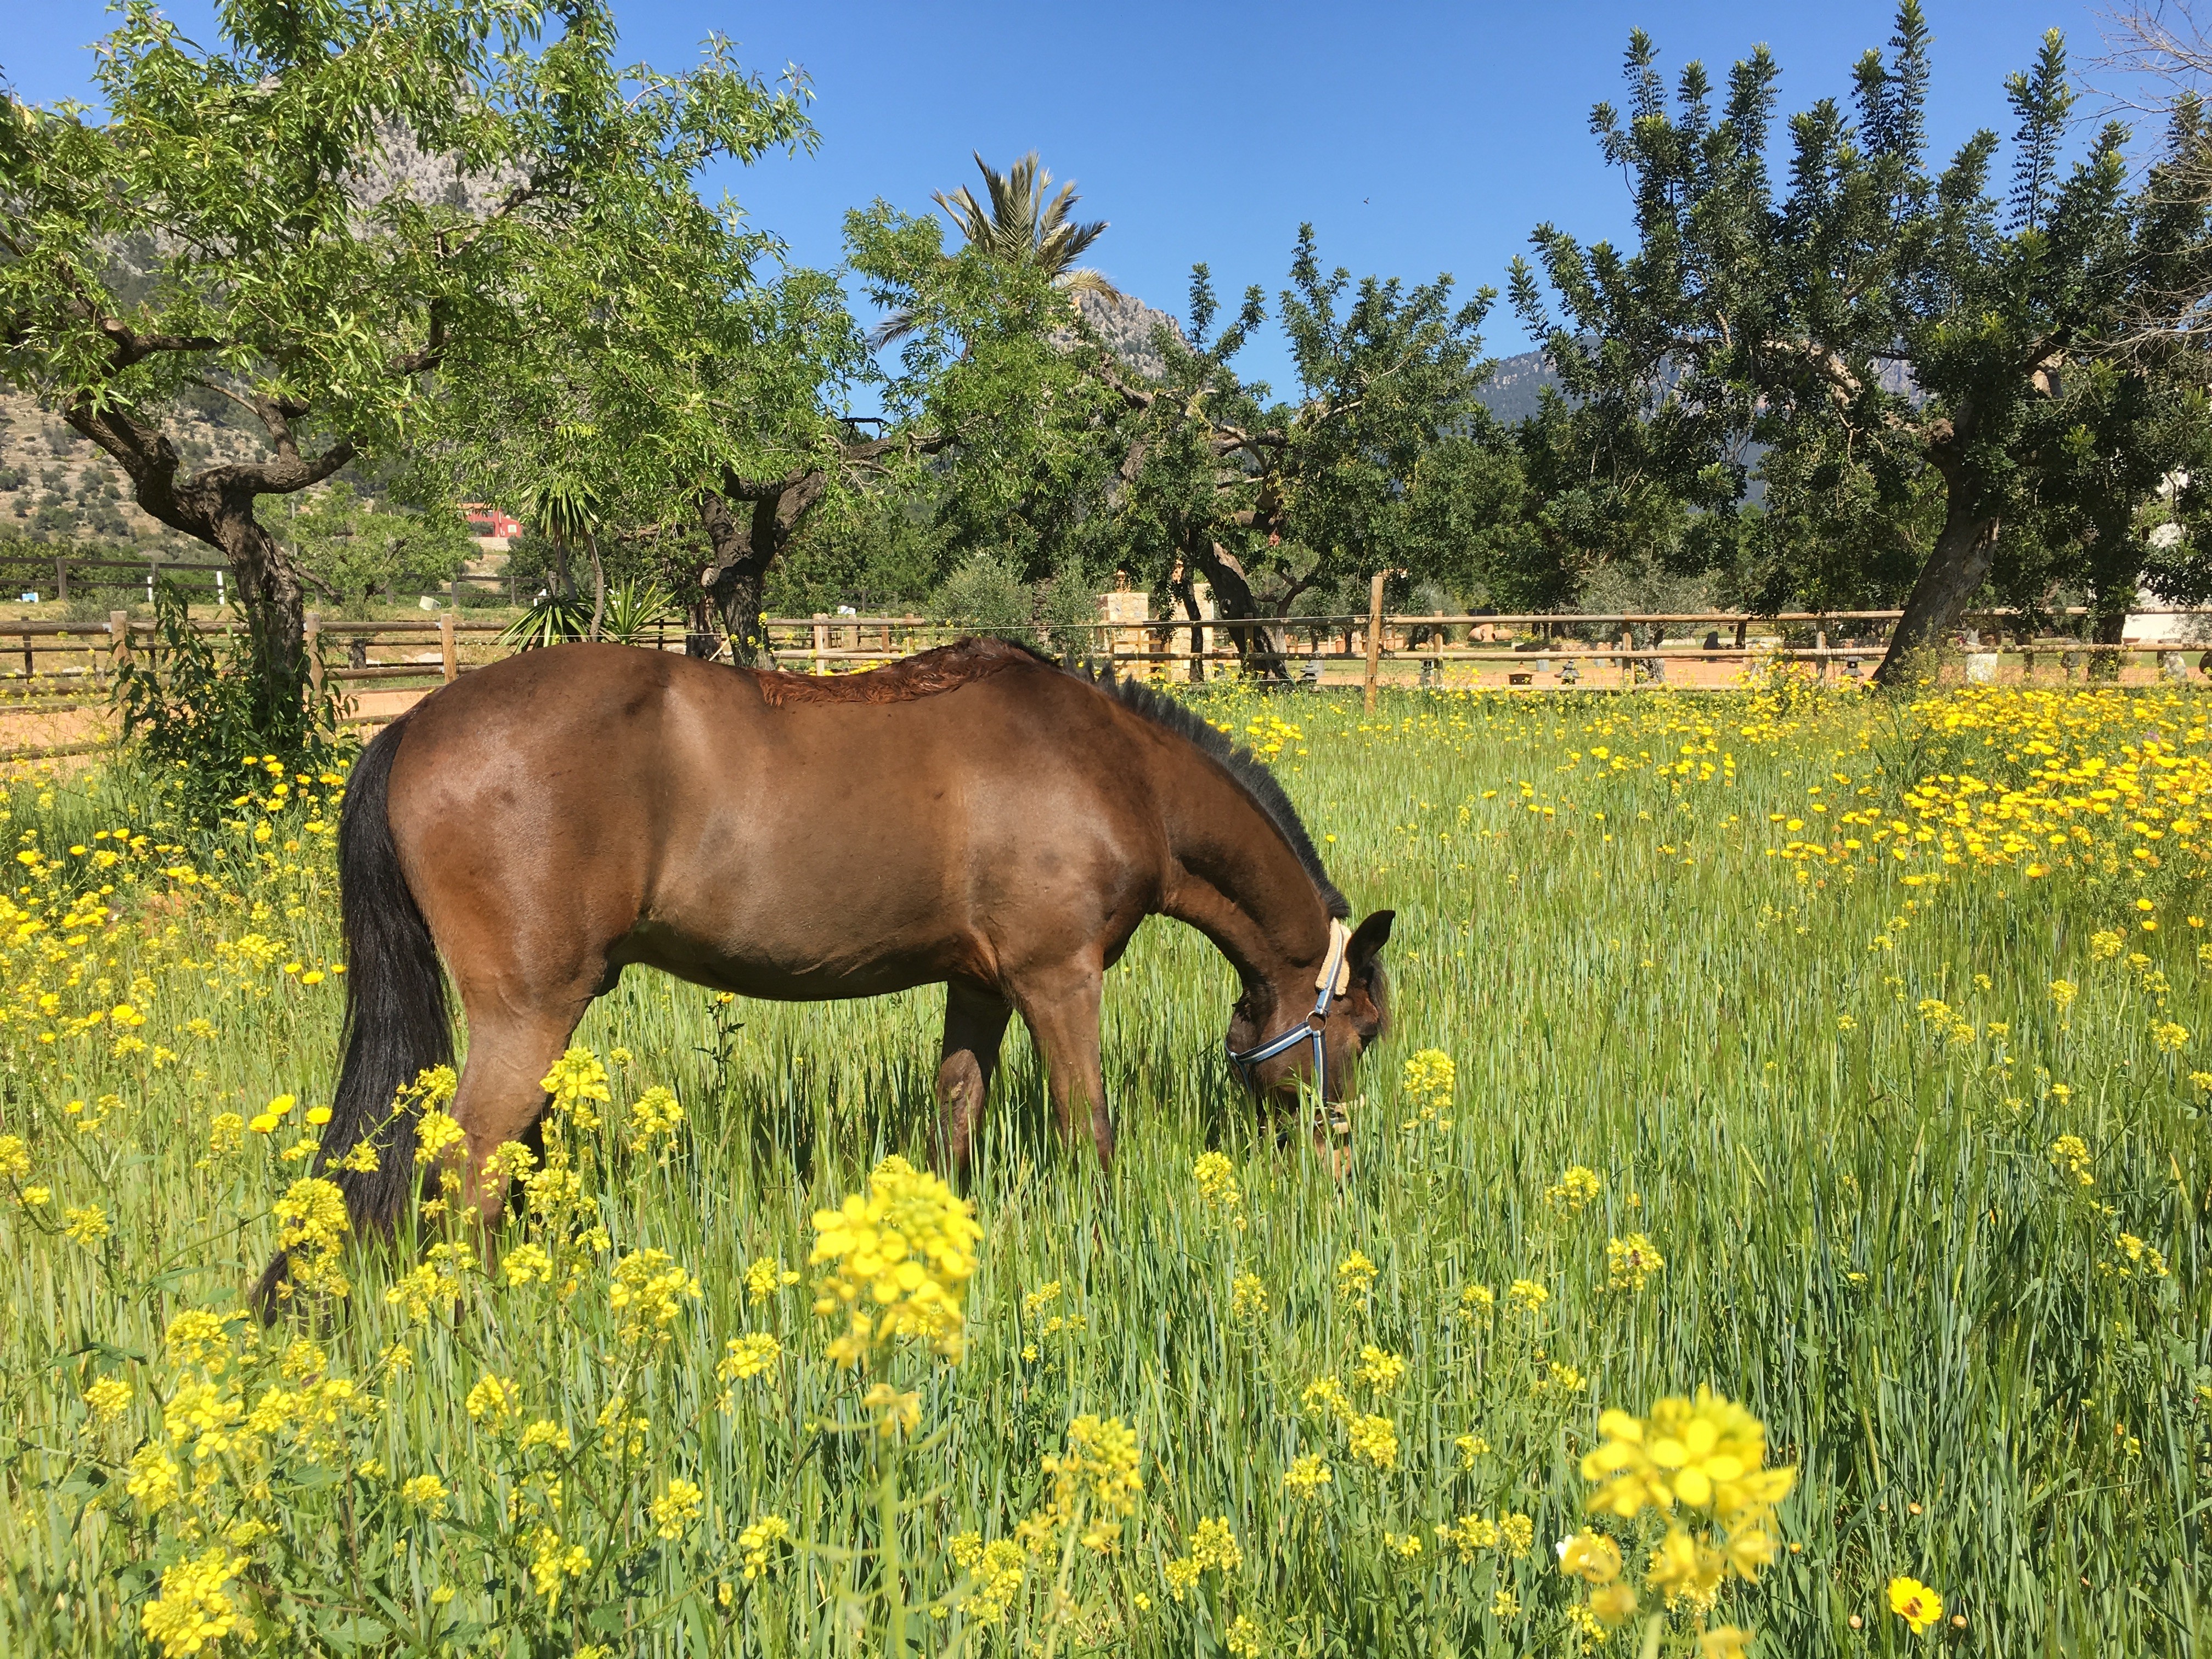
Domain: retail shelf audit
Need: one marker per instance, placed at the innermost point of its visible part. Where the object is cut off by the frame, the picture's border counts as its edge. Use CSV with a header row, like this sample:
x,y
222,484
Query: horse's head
x,y
1278,1032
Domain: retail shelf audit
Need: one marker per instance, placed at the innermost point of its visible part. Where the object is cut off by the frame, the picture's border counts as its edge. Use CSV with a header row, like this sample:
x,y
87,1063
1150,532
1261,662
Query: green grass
x,y
1866,1240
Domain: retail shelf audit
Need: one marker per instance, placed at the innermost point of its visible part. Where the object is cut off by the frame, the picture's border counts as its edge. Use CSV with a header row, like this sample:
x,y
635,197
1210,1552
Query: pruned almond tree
x,y
329,217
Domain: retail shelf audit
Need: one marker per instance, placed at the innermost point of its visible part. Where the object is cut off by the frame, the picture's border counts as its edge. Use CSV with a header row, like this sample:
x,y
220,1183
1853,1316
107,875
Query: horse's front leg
x,y
975,1022
1060,1007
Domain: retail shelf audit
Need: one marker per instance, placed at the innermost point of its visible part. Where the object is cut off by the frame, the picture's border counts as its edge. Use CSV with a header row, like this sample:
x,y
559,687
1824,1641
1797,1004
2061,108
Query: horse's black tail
x,y
396,1023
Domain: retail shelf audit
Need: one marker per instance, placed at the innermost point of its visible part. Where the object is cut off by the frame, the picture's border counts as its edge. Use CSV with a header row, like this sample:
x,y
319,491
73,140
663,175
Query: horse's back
x,y
819,845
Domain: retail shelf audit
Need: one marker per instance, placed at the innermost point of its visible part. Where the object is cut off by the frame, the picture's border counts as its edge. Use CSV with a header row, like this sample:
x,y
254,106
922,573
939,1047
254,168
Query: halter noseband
x,y
1334,977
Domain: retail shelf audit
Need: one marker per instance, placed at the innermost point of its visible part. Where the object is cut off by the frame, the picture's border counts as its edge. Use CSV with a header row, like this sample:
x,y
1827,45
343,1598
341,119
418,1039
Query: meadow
x,y
1846,1056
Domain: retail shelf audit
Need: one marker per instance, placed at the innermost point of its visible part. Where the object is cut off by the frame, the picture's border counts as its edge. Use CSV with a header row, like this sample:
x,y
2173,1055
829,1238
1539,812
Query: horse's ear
x,y
1370,937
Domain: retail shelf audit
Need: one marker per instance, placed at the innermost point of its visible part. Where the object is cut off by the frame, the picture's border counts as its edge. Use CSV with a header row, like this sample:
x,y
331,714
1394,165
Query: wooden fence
x,y
54,669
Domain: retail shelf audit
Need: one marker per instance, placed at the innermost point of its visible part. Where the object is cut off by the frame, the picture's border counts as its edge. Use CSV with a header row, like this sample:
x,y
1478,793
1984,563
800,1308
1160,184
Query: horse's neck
x,y
1234,878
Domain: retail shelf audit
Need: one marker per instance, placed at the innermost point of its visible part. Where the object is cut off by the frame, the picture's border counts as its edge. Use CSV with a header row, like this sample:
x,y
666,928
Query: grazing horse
x,y
974,815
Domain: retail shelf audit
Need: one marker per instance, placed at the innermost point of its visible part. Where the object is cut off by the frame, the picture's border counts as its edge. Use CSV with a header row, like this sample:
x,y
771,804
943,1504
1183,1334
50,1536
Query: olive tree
x,y
329,219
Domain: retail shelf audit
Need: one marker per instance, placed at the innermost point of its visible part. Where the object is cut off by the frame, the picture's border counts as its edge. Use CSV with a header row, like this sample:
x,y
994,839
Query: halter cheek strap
x,y
1335,976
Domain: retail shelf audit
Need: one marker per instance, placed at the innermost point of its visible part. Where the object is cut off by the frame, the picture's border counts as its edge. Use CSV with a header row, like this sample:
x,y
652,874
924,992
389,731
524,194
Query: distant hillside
x,y
1129,328
1513,391
56,486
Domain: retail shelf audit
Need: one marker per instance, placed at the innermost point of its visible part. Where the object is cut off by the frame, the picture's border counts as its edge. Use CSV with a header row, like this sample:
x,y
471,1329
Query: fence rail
x,y
62,668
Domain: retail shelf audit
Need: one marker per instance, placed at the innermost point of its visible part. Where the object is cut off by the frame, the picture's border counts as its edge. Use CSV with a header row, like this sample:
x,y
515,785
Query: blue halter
x,y
1335,974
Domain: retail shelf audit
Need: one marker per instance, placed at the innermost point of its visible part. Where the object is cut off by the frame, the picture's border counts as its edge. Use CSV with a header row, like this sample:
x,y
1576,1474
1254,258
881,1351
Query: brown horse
x,y
974,816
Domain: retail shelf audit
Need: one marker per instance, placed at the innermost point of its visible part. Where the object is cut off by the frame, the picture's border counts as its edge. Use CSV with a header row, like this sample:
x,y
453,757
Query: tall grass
x,y
1992,1376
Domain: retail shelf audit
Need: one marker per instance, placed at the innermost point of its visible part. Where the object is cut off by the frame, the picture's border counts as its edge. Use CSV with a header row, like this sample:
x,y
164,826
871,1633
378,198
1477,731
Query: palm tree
x,y
1020,226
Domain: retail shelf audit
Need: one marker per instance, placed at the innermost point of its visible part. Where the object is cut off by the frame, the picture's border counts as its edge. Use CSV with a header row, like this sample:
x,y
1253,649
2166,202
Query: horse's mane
x,y
925,674
947,667
1240,763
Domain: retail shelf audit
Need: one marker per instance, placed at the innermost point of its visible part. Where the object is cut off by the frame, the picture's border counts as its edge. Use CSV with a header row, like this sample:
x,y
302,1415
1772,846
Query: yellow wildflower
x,y
193,1612
1355,1276
1576,1188
675,1510
107,1398
757,1539
1378,1369
1631,1261
1306,1477
765,1277
1915,1603
900,1260
425,1493
1376,1439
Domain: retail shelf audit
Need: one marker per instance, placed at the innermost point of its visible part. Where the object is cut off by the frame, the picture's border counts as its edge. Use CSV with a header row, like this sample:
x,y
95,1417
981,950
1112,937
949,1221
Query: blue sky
x,y
1418,138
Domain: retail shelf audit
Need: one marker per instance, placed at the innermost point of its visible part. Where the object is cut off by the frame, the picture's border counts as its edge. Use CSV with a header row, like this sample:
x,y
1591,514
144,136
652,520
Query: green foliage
x,y
201,716
636,610
549,621
988,595
352,548
1932,378
1867,1240
335,216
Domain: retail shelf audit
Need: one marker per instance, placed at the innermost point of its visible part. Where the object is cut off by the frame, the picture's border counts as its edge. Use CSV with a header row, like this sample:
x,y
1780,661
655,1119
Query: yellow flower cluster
x,y
578,1086
899,1262
1355,1276
1306,1477
1471,1535
758,1540
195,1609
1095,1482
994,1570
313,1226
1430,1076
647,1291
654,1117
1705,1457
1631,1261
1575,1188
673,1512
1214,1546
2069,1155
1219,1191
765,1277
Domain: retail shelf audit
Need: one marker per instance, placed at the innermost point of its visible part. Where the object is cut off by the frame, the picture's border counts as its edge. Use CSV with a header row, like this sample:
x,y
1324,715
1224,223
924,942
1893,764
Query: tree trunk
x,y
564,585
2108,625
734,581
1185,588
275,602
215,506
1233,600
598,585
1947,583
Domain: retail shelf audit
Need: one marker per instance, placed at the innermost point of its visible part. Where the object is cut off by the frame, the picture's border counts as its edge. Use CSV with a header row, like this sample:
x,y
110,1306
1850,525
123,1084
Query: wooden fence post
x,y
1374,637
30,668
61,577
1821,646
821,641
313,632
447,647
118,628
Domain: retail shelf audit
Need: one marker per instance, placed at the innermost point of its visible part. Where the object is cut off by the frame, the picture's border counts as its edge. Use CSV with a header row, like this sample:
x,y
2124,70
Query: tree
x,y
327,220
349,547
1020,226
1380,462
1904,347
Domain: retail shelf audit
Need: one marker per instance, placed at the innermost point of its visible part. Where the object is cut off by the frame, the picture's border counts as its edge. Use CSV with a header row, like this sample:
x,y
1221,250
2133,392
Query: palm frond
x,y
1020,226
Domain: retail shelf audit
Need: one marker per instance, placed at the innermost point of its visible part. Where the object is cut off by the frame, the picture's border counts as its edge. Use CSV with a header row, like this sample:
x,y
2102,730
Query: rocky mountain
x,y
1516,387
1129,328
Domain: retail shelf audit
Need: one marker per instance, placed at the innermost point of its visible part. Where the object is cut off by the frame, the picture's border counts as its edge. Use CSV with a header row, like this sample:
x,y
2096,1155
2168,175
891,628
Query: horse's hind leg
x,y
1061,1005
975,1023
502,1088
